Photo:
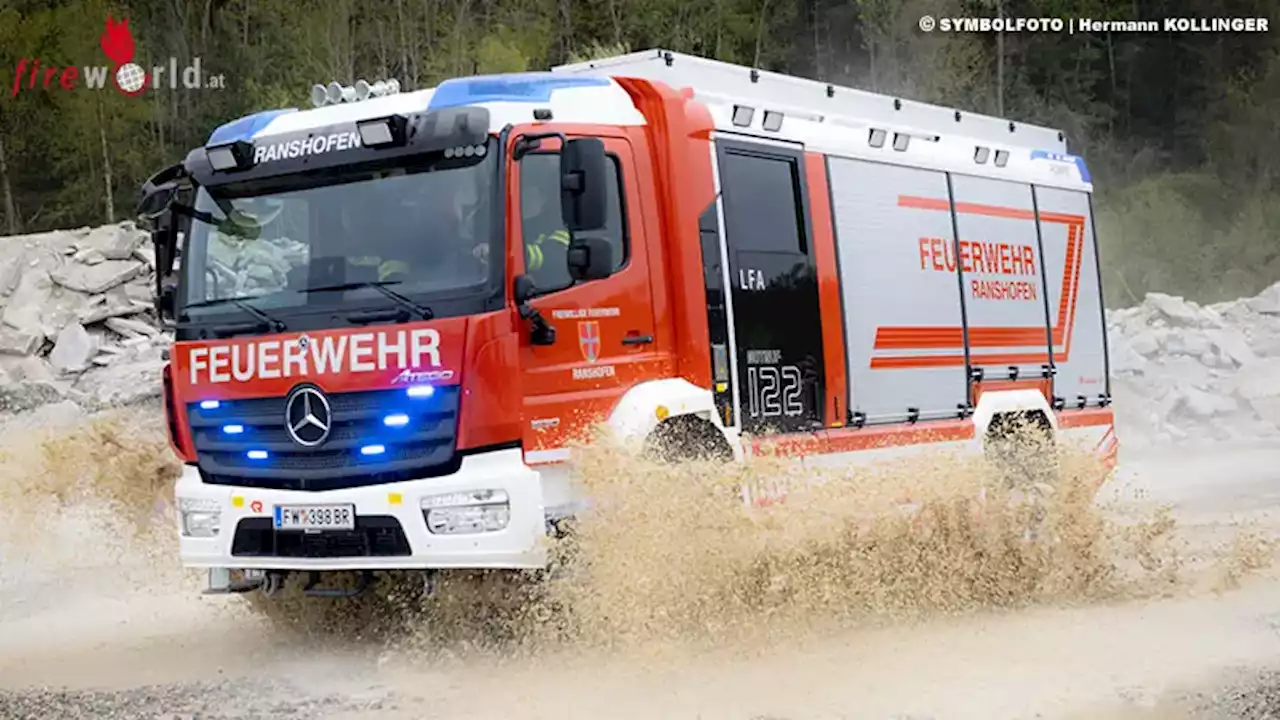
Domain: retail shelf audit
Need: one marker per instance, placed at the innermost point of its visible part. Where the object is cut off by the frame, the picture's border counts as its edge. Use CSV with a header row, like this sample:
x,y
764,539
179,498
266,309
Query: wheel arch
x,y
644,410
1000,406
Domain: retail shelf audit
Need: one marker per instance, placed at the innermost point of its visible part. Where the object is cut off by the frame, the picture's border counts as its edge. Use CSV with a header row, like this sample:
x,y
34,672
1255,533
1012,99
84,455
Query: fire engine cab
x,y
394,311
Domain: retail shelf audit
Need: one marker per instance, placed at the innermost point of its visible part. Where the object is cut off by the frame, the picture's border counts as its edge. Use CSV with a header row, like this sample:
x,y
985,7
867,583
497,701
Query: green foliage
x,y
1187,231
597,51
1180,130
507,49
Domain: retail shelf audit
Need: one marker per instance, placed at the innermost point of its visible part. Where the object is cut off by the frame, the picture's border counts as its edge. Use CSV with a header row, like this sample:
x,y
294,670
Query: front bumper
x,y
521,544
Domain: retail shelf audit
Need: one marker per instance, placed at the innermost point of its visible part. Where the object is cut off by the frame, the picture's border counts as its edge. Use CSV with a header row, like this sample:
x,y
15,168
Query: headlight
x,y
199,518
469,512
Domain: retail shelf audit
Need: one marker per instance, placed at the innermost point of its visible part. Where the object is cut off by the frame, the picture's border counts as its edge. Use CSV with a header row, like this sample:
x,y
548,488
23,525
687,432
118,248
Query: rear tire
x,y
1022,451
1021,447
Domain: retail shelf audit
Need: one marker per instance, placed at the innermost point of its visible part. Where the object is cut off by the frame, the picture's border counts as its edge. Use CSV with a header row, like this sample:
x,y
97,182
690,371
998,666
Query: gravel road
x,y
130,638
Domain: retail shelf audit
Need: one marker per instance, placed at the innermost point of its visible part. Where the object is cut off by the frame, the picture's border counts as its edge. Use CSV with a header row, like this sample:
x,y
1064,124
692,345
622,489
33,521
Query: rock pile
x,y
76,318
1187,372
76,323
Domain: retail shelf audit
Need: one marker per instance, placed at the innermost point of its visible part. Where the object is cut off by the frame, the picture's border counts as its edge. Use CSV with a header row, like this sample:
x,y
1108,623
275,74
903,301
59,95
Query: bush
x,y
1187,234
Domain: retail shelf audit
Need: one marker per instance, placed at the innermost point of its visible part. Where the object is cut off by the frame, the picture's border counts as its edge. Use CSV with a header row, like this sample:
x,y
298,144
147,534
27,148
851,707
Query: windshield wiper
x,y
272,323
422,311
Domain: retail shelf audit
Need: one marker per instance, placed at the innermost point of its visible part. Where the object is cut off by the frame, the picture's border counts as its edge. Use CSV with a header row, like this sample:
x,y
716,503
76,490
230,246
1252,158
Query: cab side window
x,y
546,241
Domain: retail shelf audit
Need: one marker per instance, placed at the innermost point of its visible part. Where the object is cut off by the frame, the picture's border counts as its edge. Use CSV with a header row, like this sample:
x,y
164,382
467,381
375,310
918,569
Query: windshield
x,y
421,228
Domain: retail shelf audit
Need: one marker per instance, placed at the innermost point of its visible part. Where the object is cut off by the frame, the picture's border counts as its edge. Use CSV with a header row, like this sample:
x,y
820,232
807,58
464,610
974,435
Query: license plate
x,y
315,517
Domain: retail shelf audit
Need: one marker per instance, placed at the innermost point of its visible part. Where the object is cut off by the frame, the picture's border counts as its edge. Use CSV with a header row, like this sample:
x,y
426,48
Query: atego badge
x,y
307,416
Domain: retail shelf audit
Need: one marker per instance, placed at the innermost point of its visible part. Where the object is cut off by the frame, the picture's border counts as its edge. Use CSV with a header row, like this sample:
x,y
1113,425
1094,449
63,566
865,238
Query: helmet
x,y
533,200
254,212
247,216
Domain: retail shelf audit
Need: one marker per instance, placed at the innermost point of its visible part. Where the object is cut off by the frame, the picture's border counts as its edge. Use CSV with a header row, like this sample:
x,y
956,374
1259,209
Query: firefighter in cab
x,y
451,218
546,241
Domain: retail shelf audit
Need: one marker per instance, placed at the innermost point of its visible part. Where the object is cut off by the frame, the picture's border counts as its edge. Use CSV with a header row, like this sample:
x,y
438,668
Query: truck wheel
x,y
1022,451
380,610
687,437
1021,448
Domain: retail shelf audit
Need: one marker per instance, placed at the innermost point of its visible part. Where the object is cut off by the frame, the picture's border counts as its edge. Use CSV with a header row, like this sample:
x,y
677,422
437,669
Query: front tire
x,y
381,610
685,438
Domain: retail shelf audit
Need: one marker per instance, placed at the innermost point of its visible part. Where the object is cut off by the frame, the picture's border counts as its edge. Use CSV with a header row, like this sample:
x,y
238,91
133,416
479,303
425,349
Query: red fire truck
x,y
394,310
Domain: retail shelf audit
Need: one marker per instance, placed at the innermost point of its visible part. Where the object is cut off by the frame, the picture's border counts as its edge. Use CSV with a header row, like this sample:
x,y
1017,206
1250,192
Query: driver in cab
x,y
446,225
546,241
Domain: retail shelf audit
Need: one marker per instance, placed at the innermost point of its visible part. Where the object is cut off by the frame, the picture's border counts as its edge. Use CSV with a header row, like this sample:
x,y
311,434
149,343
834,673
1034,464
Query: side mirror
x,y
583,185
590,258
159,191
157,202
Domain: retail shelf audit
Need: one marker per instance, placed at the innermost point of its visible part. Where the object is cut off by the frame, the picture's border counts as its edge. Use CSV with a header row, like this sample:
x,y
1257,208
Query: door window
x,y
764,194
546,241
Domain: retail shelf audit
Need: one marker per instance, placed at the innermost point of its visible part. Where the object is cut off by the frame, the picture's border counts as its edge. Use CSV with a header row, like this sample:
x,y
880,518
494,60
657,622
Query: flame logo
x,y
117,41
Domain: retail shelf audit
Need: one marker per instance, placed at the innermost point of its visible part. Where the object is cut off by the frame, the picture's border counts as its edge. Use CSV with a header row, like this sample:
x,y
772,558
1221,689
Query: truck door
x,y
1003,270
604,329
773,288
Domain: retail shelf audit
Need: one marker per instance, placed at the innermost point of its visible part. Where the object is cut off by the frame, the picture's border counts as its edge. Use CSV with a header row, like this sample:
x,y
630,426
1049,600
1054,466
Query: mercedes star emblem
x,y
307,417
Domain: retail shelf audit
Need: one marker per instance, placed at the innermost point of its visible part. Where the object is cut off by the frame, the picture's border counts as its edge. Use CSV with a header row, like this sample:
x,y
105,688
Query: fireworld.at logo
x,y
127,77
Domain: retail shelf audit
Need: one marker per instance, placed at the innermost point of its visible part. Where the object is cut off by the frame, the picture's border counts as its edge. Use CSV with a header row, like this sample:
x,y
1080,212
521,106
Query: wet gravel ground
x,y
1256,697
227,700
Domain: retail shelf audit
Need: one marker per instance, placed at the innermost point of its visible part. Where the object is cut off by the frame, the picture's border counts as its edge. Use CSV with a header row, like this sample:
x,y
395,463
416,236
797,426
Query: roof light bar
x,y
232,156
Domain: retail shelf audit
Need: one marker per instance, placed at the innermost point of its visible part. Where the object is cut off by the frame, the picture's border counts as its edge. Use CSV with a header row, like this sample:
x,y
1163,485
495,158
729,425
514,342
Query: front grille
x,y
374,536
261,454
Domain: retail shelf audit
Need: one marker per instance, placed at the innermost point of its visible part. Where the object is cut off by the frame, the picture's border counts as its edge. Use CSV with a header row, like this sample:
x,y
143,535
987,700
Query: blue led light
x,y
257,454
396,420
246,127
372,450
1064,157
233,429
517,87
421,391
209,404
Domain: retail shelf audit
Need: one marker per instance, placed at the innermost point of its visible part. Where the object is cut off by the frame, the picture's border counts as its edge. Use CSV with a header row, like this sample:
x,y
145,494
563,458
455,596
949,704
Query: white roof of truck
x,y
839,120
824,118
509,98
